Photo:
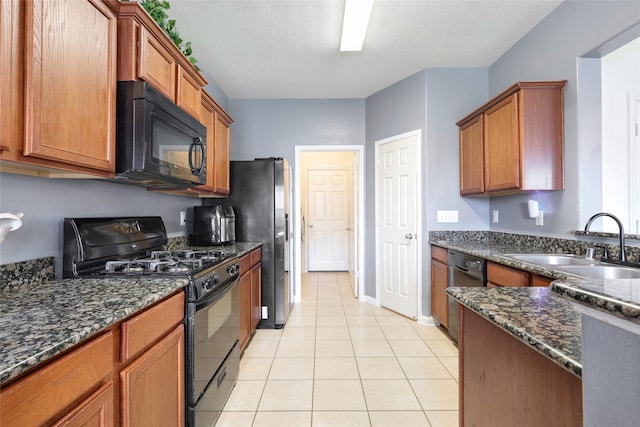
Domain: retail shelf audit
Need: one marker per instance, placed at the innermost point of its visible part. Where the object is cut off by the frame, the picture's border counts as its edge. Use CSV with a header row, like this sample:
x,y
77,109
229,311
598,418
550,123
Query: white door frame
x,y
297,226
418,134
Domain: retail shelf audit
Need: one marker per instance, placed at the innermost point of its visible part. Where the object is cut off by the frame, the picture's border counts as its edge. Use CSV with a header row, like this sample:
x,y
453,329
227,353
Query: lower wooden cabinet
x,y
130,375
256,293
439,282
153,385
96,410
250,295
54,391
503,382
245,309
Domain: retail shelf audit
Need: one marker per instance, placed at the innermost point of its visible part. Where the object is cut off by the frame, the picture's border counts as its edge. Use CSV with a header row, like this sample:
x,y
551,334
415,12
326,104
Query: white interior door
x,y
328,220
634,170
397,210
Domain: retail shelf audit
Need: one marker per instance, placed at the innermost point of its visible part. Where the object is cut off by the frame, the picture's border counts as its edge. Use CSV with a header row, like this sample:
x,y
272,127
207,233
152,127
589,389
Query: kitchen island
x,y
560,355
520,357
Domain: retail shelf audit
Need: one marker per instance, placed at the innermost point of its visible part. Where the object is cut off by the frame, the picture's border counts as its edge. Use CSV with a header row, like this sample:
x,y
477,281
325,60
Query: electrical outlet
x,y
447,216
265,312
496,215
540,219
183,218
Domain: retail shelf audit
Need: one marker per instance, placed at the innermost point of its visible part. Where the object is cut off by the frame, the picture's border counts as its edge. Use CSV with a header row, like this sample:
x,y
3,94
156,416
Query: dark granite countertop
x,y
239,248
617,297
538,317
496,252
40,319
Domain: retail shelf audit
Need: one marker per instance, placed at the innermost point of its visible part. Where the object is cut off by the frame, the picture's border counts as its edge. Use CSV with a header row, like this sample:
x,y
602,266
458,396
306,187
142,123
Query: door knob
x,y
408,236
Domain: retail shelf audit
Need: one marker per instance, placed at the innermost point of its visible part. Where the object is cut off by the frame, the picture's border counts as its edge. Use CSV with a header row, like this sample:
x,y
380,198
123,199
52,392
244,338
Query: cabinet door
x,y
153,385
189,93
256,298
156,65
11,46
472,157
245,309
501,145
221,155
70,82
439,299
208,119
96,410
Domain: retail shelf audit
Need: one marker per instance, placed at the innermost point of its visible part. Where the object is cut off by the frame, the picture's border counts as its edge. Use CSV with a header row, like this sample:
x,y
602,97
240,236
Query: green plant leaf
x,y
157,11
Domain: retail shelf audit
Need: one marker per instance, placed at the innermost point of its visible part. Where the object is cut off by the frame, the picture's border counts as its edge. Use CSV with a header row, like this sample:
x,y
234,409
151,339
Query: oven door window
x,y
216,330
176,149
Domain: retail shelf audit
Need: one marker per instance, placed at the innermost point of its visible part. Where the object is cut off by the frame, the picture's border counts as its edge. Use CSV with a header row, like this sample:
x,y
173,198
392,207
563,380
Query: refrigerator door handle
x,y
286,227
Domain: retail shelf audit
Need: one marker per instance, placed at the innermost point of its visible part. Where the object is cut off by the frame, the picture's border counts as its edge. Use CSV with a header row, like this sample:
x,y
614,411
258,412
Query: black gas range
x,y
134,247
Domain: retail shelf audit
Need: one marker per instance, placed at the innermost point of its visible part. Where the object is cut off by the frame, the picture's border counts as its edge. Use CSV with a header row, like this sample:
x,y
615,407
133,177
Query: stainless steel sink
x,y
601,271
553,259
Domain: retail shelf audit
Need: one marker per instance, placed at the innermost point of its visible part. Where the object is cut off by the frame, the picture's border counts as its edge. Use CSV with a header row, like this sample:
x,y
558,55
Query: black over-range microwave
x,y
158,144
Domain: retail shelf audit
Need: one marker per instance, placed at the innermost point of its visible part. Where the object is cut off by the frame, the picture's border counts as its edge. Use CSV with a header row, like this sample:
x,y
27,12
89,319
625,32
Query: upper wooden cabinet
x,y
221,152
58,86
514,143
146,53
471,157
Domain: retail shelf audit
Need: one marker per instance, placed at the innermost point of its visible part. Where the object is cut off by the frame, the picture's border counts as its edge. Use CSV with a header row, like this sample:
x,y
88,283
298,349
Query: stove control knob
x,y
211,283
233,268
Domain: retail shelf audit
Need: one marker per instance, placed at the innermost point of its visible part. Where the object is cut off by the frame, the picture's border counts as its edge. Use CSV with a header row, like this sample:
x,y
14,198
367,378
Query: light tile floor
x,y
339,362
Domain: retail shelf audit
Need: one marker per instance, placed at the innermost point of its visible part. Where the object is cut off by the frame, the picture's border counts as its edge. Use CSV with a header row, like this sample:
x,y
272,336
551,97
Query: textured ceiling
x,y
291,49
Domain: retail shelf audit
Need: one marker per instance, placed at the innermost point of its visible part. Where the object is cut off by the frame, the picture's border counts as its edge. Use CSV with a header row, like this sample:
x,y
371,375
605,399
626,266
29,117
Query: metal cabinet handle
x,y
408,236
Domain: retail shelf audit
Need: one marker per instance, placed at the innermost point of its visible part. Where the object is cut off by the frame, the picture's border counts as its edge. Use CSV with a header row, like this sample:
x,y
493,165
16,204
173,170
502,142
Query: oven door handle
x,y
213,297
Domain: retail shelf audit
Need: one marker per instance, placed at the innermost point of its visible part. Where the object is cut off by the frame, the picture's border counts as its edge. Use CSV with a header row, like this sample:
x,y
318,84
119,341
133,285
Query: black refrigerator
x,y
261,197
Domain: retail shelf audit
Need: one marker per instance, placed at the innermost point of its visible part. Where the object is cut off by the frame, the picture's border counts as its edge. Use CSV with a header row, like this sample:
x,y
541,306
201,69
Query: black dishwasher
x,y
464,271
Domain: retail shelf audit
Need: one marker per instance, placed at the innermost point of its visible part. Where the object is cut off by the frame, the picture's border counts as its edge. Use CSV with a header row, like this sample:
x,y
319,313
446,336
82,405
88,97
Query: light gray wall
x,y
452,93
395,110
46,202
550,51
273,127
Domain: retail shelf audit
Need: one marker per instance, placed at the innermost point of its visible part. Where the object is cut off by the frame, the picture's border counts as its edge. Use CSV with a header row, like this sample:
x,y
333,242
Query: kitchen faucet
x,y
623,255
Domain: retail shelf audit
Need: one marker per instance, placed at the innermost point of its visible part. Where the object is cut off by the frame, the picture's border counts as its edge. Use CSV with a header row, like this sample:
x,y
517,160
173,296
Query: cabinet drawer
x,y
537,280
256,256
245,263
439,254
506,276
142,330
42,396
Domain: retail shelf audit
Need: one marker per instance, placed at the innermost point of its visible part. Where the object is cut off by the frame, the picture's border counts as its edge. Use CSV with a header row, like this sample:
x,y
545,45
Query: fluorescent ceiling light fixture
x,y
354,26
